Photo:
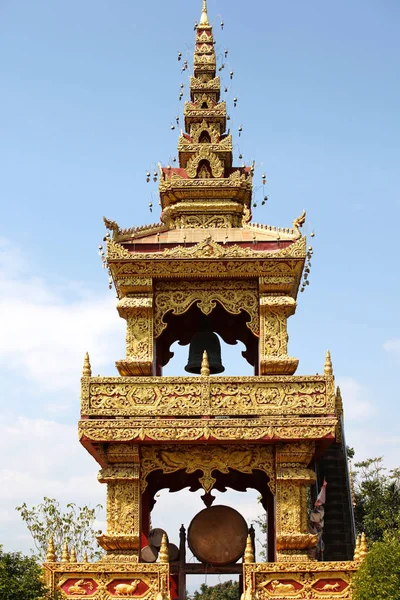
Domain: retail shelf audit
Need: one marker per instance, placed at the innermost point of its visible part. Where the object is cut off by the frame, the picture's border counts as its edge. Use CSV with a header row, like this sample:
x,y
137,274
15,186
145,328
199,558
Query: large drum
x,y
217,535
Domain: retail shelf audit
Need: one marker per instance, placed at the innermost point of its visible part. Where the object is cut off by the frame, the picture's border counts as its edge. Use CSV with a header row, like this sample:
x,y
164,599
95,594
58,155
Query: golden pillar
x,y
293,479
137,309
123,505
274,312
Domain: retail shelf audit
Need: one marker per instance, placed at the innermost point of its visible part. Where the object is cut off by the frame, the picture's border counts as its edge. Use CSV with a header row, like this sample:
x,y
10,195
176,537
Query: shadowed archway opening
x,y
231,328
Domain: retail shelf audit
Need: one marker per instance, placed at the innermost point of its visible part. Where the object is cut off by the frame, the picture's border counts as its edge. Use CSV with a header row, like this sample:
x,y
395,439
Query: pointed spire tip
x,y
204,15
328,370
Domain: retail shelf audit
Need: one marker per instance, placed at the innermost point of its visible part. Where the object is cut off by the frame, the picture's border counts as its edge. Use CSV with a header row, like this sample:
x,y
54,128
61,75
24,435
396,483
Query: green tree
x,y
74,526
377,499
379,575
21,578
228,590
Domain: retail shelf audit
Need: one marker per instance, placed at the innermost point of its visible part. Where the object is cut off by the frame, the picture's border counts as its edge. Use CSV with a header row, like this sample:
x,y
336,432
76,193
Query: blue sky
x,y
89,90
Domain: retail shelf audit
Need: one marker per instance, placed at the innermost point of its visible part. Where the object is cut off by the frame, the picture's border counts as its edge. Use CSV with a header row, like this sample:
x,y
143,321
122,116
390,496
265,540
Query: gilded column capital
x,y
299,453
278,304
118,473
128,306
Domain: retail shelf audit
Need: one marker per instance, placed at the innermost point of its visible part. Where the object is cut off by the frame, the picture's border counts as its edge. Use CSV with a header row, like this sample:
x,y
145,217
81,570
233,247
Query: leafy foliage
x,y
261,523
74,526
379,575
377,499
228,590
21,577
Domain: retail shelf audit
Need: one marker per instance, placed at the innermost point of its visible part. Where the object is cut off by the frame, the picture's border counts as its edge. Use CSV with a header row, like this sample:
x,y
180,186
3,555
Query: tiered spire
x,y
206,190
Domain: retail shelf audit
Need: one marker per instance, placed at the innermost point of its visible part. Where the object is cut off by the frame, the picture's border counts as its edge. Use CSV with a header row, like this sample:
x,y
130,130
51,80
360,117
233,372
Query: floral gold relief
x,y
189,396
234,296
208,459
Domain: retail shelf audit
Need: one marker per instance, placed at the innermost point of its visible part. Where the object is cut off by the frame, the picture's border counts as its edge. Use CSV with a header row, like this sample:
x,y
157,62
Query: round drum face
x,y
217,535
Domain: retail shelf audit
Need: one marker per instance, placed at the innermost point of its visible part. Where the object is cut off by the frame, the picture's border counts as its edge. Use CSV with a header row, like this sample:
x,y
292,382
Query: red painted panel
x,y
80,587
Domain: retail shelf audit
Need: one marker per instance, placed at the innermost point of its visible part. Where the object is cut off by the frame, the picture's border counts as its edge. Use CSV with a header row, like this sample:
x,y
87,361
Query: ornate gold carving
x,y
51,551
213,129
203,37
73,558
299,222
178,297
79,588
139,338
115,251
164,549
216,165
178,430
205,365
296,541
87,369
273,336
138,313
123,505
328,370
208,459
189,396
308,579
105,580
65,553
292,480
208,249
205,269
249,552
203,221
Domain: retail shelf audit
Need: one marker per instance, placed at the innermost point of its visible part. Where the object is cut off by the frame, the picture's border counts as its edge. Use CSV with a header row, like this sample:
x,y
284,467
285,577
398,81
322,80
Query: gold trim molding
x,y
191,430
207,249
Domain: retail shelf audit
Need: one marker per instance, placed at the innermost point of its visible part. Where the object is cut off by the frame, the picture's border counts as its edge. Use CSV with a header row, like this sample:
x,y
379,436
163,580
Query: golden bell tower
x,y
206,262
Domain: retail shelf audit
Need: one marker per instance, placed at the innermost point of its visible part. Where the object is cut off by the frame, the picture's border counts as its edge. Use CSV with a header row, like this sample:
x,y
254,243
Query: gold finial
x,y
51,552
328,370
357,549
85,557
363,547
65,554
204,15
164,558
87,369
339,402
73,557
205,365
249,552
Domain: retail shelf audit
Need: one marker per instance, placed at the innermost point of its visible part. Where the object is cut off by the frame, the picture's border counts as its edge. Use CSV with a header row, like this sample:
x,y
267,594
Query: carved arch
x,y
233,296
216,164
204,138
170,459
205,101
199,128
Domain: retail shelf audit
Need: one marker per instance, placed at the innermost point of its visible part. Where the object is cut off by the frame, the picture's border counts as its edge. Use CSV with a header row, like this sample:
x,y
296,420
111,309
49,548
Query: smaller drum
x,y
217,535
156,536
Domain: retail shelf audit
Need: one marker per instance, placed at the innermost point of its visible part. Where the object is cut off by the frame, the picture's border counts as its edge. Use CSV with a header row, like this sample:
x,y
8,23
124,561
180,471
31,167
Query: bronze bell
x,y
204,340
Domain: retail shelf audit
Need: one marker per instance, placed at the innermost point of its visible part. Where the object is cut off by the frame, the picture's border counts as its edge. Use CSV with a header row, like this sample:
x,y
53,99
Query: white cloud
x,y
356,401
44,336
393,347
45,331
41,458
